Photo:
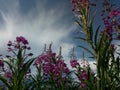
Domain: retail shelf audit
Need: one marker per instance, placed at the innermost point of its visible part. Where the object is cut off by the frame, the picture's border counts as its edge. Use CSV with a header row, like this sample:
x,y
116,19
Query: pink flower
x,y
50,54
8,74
109,28
47,68
112,46
66,70
74,63
62,66
28,48
60,63
105,22
30,54
38,61
22,40
16,46
1,63
29,71
76,3
56,71
9,49
114,13
42,58
24,47
82,85
84,75
9,43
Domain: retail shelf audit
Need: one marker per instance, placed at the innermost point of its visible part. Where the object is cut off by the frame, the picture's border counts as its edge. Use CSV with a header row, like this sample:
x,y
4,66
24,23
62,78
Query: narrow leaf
x,y
87,49
96,34
84,39
4,81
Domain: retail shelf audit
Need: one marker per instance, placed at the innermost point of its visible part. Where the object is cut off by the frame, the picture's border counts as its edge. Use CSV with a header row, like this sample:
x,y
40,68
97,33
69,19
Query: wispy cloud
x,y
40,25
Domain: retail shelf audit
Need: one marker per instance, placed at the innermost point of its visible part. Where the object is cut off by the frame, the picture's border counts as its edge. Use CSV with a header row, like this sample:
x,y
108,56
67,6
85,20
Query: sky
x,y
40,22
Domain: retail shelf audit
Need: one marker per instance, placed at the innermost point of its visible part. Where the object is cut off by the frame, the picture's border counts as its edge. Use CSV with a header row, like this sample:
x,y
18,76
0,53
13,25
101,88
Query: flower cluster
x,y
82,70
114,13
81,3
111,19
81,73
99,47
16,66
1,63
8,74
52,66
111,23
73,60
19,44
74,63
82,77
53,73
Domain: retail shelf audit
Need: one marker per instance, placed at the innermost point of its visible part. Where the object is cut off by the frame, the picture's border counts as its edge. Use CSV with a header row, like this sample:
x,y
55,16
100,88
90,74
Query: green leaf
x,y
23,71
84,39
91,57
19,55
86,50
12,68
96,34
118,63
100,42
78,23
91,30
19,60
5,81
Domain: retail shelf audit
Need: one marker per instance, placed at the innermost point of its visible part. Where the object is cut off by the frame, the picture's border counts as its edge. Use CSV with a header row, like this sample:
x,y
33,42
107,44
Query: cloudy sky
x,y
39,21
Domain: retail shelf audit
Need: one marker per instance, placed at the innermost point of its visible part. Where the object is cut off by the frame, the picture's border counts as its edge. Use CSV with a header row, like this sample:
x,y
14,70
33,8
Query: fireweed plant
x,y
16,66
52,73
100,41
85,75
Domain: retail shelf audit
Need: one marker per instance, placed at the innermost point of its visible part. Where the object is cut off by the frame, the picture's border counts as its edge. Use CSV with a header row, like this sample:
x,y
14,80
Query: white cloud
x,y
43,27
92,65
117,46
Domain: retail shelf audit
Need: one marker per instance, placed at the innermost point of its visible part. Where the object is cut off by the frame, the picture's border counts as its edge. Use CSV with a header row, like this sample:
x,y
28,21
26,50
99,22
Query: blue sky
x,y
41,22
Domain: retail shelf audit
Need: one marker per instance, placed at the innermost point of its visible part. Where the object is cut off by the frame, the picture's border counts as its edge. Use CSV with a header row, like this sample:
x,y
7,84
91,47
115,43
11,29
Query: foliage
x,y
16,67
52,73
102,49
